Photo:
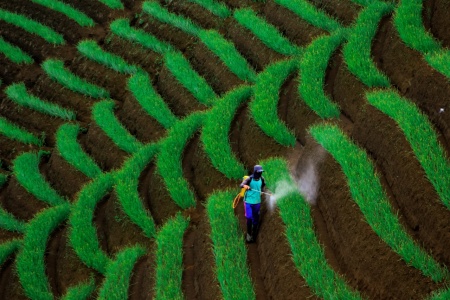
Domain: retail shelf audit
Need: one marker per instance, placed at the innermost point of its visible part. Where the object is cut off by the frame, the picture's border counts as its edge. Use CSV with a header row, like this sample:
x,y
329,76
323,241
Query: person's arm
x,y
246,183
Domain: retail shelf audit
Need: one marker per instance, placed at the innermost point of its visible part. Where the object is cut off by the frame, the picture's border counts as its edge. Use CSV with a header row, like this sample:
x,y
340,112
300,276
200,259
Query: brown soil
x,y
352,248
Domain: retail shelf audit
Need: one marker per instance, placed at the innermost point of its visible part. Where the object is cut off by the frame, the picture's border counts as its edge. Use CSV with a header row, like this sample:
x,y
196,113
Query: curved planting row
x,y
216,7
368,193
264,106
55,70
14,53
80,292
31,26
103,115
215,132
169,258
26,171
169,159
15,132
69,148
229,248
308,254
421,136
18,93
357,51
408,21
30,260
8,248
66,9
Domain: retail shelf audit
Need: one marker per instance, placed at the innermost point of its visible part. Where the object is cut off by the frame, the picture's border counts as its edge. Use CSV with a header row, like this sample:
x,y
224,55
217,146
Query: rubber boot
x,y
255,232
248,237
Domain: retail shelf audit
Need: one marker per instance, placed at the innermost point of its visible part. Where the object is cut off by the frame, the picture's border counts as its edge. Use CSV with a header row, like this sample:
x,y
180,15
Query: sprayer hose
x,y
236,200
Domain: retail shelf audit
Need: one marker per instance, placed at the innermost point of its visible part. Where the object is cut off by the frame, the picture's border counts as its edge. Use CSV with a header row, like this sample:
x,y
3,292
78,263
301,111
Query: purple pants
x,y
252,212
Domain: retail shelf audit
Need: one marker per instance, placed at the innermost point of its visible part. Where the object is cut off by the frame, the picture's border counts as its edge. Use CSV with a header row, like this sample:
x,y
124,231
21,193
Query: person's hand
x,y
246,187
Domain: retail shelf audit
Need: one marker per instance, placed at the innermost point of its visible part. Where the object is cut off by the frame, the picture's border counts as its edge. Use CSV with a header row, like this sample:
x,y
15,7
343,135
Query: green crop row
x,y
122,28
17,92
26,171
127,181
14,132
229,249
55,70
31,26
66,9
307,11
80,292
114,4
82,233
215,132
8,248
264,106
118,274
163,15
181,69
93,51
10,223
69,148
357,50
3,178
421,136
307,253
215,42
14,53
265,31
169,160
30,261
408,21
215,7
169,259
226,51
367,192
313,66
103,114
155,106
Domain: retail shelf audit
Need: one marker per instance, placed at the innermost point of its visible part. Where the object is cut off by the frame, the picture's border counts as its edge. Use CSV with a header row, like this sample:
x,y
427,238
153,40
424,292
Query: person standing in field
x,y
254,185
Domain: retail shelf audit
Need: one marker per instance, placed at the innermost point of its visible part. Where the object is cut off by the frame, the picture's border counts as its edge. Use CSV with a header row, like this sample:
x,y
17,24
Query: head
x,y
257,171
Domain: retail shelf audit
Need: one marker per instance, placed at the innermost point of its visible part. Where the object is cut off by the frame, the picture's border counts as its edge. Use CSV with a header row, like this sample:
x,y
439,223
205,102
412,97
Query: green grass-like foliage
x,y
69,149
307,253
114,4
357,50
18,93
82,233
81,18
163,15
3,179
153,104
55,70
442,294
169,259
80,292
408,21
103,114
226,51
26,171
121,27
215,133
217,8
31,26
265,31
181,69
169,161
118,274
10,223
366,190
439,61
8,248
14,53
30,261
14,132
127,181
93,51
311,14
229,249
422,137
264,106
313,66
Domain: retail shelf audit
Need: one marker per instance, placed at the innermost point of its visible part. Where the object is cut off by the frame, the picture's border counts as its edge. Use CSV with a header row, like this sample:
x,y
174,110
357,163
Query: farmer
x,y
254,185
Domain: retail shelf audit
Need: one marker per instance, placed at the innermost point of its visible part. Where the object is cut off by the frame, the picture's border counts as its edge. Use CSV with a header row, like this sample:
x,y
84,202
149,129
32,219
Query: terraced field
x,y
126,127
